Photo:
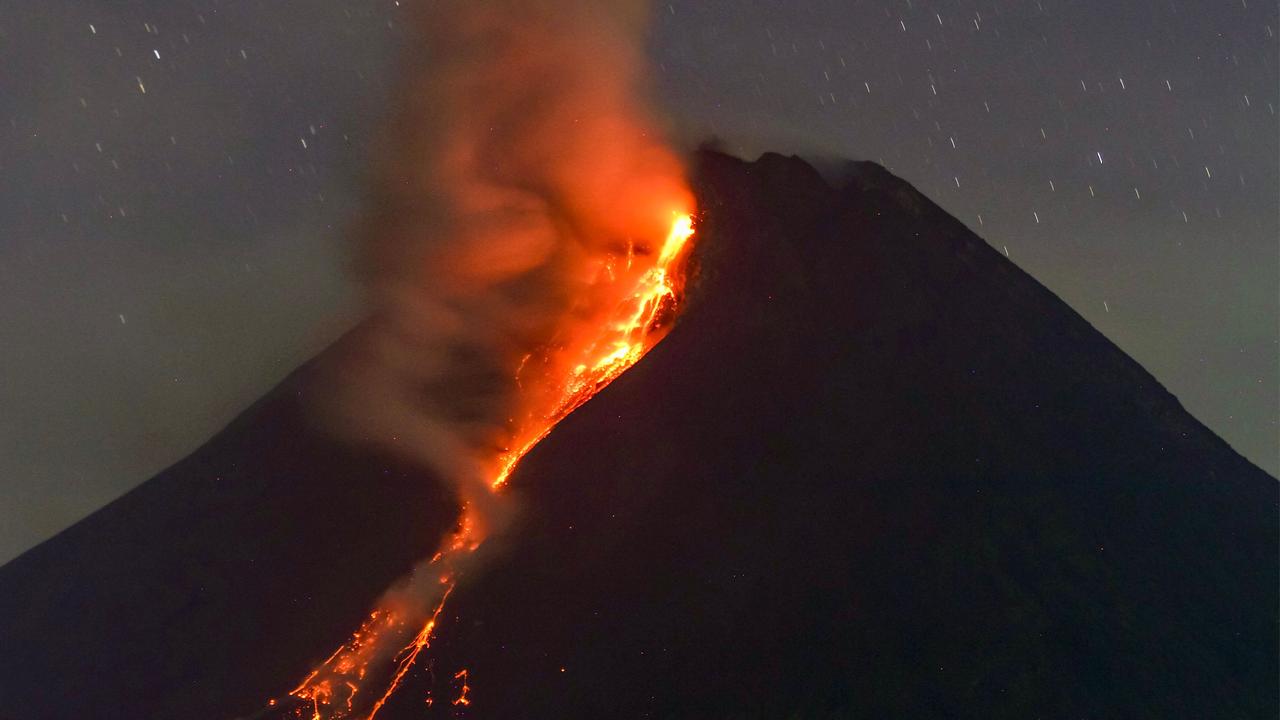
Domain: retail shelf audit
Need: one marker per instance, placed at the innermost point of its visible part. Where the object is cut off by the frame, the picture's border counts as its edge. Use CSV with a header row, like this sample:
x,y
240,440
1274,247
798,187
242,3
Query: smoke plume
x,y
521,167
523,216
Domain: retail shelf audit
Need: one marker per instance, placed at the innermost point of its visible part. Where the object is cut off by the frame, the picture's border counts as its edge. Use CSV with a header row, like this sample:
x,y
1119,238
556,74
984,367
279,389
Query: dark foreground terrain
x,y
876,471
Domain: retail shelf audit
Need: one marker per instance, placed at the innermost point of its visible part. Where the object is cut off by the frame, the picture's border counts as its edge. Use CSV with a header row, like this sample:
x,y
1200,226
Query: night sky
x,y
178,175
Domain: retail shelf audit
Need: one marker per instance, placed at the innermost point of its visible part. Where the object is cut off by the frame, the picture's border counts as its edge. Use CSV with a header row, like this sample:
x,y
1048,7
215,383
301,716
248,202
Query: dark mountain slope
x,y
875,471
201,591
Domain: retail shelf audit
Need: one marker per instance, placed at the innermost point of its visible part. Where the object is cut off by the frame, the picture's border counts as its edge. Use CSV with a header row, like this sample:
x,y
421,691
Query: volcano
x,y
875,470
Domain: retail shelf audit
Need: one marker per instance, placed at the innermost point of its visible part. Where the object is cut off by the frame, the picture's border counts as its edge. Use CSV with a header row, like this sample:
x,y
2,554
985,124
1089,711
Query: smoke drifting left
x,y
521,165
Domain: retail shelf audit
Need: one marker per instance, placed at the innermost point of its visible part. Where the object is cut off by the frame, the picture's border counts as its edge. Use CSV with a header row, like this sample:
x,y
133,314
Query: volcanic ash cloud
x,y
521,174
523,214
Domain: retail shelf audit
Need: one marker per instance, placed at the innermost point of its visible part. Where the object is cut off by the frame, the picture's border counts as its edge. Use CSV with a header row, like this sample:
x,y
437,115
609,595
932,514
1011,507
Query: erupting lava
x,y
556,383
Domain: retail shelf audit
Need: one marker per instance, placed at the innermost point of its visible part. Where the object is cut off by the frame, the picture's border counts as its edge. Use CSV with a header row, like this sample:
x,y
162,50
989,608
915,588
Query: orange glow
x,y
646,288
462,696
617,344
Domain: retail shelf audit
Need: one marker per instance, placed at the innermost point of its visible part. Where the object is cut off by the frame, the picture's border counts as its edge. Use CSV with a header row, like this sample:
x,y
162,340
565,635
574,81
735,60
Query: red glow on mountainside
x,y
362,675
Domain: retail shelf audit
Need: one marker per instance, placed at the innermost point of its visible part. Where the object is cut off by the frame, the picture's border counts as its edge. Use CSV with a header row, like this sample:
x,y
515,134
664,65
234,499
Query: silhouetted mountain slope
x,y
200,592
875,471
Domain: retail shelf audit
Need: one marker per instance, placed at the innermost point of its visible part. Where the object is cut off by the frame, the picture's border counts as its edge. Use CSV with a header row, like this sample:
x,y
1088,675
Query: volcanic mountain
x,y
874,471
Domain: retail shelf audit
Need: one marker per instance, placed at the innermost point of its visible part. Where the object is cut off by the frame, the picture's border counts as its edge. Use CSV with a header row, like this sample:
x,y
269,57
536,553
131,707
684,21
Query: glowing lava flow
x,y
627,336
574,375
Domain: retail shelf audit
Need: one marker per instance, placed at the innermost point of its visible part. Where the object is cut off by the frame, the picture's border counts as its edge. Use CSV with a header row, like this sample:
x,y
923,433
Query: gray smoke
x,y
521,157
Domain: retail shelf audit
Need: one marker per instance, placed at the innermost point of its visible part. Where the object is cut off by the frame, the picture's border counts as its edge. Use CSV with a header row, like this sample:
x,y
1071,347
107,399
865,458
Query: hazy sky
x,y
178,174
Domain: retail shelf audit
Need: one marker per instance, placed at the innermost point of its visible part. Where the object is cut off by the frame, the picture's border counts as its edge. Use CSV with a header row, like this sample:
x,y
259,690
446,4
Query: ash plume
x,y
521,159
522,191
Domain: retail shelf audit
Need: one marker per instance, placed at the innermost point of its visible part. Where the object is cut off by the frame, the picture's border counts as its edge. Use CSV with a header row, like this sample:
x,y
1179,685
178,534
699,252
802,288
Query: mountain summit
x,y
876,470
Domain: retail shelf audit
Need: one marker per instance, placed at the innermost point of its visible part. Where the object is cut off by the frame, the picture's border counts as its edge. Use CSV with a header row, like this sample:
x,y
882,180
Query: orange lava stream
x,y
619,344
462,696
635,326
